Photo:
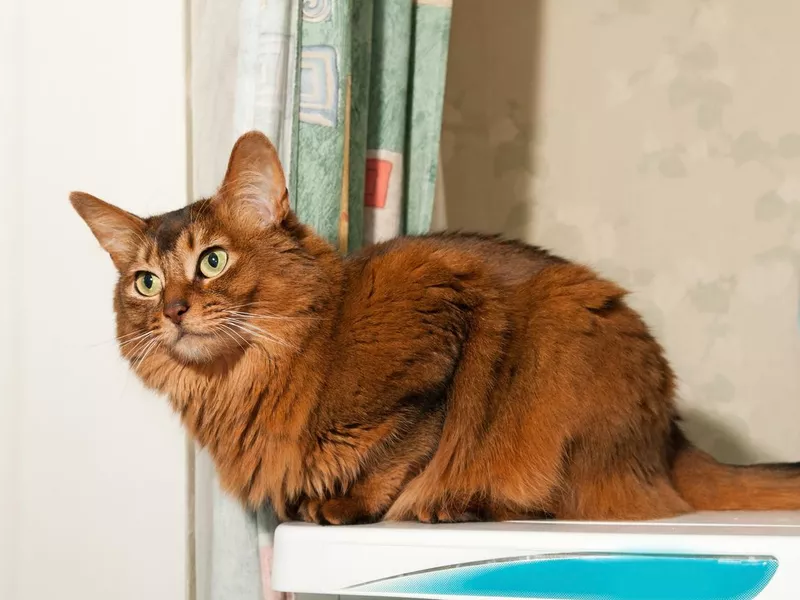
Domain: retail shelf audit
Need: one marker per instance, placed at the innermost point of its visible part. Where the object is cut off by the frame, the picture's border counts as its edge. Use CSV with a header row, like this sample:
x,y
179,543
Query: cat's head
x,y
206,282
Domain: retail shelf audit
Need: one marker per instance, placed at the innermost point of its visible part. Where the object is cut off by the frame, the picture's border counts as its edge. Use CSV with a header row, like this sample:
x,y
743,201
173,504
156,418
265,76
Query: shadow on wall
x,y
488,147
719,440
488,122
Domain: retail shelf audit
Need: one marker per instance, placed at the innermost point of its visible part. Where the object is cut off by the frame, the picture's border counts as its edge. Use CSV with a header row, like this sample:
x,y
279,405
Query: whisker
x,y
148,350
145,347
116,339
203,210
256,303
261,303
142,336
269,316
258,332
127,335
240,326
257,316
139,345
231,333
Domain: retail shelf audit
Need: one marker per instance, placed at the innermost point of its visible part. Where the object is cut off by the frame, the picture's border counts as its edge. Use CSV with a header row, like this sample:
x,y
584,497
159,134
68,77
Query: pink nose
x,y
175,310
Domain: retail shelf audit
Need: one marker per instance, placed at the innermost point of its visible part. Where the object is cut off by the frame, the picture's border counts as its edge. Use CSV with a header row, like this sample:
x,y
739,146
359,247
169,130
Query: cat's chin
x,y
197,349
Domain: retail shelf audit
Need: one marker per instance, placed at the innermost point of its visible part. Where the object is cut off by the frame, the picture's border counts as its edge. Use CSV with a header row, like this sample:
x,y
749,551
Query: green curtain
x,y
351,92
371,87
365,135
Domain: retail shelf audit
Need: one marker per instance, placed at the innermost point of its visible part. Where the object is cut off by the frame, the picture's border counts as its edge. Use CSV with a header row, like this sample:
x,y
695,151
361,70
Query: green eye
x,y
147,284
213,262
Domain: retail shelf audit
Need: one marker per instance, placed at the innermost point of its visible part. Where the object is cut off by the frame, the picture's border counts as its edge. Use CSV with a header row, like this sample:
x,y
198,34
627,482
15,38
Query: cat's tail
x,y
707,484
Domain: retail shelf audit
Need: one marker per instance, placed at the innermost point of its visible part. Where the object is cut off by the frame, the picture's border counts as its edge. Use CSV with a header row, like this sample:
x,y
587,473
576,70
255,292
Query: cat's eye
x,y
147,284
213,262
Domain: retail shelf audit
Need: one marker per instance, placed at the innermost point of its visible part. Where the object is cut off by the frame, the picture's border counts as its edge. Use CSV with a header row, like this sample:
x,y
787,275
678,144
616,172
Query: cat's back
x,y
465,256
448,276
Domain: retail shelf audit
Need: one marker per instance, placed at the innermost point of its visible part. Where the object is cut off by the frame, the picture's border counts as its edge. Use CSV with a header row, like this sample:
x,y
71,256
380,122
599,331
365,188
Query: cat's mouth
x,y
183,333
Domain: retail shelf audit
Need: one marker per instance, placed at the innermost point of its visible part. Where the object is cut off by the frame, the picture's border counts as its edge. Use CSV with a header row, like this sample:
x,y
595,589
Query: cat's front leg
x,y
366,501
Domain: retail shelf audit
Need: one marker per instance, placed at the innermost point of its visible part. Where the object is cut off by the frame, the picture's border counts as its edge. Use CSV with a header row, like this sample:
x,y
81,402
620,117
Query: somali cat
x,y
438,378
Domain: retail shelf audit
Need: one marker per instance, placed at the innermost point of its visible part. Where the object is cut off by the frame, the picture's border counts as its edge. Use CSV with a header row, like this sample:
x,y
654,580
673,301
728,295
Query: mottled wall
x,y
658,141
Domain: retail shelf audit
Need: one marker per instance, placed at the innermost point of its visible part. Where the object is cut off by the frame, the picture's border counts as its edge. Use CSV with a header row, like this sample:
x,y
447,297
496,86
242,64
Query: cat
x,y
438,378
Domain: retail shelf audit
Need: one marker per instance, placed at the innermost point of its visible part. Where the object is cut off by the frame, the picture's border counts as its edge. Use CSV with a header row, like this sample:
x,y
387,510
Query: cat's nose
x,y
175,310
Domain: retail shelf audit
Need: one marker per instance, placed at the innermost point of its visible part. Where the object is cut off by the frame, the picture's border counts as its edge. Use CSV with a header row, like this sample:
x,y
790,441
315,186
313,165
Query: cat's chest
x,y
252,433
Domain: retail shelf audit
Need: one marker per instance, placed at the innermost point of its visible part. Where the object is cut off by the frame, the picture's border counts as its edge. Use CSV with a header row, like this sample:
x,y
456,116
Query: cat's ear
x,y
254,184
119,232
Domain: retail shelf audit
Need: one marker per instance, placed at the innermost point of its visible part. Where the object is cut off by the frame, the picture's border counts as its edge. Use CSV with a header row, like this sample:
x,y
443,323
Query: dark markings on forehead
x,y
167,228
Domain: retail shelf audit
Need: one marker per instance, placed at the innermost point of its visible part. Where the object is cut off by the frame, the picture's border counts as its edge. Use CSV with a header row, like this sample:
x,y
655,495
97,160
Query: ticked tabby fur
x,y
437,378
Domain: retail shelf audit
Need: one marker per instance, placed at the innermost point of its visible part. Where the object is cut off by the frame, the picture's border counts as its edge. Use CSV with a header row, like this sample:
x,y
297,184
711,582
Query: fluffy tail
x,y
709,485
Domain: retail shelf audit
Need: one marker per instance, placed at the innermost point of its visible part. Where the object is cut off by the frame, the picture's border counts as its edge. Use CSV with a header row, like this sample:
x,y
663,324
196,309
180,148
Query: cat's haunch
x,y
440,378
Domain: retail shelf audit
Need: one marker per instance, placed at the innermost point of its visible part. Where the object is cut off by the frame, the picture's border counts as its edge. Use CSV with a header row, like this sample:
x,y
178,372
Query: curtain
x,y
351,92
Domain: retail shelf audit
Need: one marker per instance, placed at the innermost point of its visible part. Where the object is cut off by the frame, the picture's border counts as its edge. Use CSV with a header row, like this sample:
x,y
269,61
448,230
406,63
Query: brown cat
x,y
440,378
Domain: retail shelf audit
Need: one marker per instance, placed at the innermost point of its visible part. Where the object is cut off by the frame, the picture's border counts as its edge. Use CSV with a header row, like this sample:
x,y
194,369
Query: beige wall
x,y
658,141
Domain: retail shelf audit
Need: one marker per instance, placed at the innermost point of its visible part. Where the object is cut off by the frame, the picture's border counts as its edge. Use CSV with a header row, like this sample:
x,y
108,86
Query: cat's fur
x,y
439,378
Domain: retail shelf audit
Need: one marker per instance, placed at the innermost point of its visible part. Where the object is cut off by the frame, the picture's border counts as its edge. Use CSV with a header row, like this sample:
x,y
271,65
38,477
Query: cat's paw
x,y
442,513
335,511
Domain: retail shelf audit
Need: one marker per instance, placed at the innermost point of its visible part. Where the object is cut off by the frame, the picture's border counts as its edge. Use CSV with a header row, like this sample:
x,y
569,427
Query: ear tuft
x,y
119,232
254,183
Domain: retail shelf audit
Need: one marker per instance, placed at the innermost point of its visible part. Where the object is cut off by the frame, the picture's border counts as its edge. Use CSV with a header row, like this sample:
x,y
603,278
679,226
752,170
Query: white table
x,y
711,556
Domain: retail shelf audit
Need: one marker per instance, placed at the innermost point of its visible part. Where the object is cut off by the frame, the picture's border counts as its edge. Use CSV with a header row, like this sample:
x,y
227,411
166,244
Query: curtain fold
x,y
351,93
